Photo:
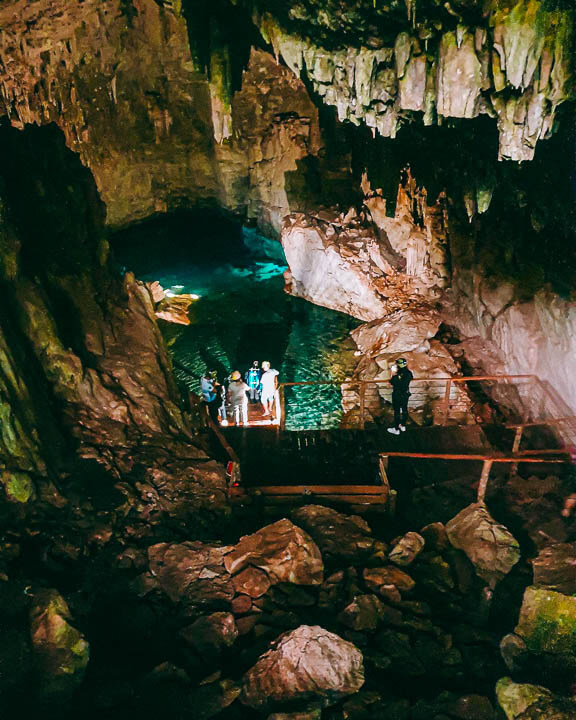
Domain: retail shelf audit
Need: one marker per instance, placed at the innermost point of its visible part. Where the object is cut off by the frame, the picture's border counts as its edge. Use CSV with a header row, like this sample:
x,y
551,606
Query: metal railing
x,y
520,400
528,456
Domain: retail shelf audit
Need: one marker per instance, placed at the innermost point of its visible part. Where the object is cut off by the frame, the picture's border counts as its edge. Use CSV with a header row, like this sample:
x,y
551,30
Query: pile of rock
x,y
338,606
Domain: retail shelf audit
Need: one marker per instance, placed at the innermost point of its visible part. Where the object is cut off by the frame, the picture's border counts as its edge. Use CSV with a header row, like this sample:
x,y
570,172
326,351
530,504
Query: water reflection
x,y
243,315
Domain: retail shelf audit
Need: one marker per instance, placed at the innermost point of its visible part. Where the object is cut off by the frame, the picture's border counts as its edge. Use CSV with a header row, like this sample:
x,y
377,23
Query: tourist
x,y
208,387
237,390
222,404
268,385
400,381
252,378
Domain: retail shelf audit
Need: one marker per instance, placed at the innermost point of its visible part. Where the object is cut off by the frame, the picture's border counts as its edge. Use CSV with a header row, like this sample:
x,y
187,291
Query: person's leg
x,y
396,429
213,410
245,412
404,413
397,414
236,413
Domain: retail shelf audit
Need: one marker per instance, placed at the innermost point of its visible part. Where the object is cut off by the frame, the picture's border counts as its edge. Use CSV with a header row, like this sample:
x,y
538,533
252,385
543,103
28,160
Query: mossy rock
x,y
547,621
18,487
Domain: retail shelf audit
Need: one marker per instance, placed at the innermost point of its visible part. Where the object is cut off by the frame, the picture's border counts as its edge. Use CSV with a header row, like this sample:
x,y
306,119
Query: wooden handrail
x,y
486,460
472,456
466,378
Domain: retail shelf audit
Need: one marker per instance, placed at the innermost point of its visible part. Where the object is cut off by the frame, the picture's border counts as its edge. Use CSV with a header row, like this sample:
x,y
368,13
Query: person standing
x,y
400,381
268,385
208,387
237,393
252,378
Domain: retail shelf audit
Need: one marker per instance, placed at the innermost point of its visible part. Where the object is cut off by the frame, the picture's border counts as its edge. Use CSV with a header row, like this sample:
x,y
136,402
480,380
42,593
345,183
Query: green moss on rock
x,y
548,621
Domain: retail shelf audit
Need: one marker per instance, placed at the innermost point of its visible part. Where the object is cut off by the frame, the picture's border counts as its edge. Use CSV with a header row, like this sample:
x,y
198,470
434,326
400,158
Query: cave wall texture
x,y
85,374
268,109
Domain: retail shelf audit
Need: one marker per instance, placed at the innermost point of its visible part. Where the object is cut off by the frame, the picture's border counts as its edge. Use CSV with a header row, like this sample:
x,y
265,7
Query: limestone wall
x,y
536,336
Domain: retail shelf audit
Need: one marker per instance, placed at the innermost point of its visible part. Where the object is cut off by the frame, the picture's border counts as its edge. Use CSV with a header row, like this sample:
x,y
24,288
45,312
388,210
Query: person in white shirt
x,y
268,385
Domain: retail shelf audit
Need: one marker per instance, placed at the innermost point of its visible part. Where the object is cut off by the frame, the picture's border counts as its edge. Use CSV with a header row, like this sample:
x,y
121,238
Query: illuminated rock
x,y
192,574
532,702
407,549
211,634
60,650
308,663
283,551
348,537
491,547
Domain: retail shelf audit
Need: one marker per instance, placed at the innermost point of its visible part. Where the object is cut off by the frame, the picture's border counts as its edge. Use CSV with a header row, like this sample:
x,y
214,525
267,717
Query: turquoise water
x,y
242,315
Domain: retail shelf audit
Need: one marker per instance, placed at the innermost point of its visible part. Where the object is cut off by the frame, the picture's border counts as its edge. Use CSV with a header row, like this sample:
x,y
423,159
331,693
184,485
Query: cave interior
x,y
188,185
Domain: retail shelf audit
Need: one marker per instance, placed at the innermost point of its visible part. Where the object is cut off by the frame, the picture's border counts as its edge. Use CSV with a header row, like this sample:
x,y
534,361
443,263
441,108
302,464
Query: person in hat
x,y
237,395
400,380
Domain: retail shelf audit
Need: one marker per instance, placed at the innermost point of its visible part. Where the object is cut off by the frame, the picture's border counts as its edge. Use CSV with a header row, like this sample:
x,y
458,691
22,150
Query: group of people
x,y
231,397
259,384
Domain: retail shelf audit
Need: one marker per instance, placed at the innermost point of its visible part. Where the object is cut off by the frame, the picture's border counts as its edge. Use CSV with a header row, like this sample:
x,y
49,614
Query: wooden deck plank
x,y
319,489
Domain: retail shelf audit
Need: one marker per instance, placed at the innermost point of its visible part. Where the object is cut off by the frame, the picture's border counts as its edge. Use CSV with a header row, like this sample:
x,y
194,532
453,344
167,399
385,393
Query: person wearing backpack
x,y
252,379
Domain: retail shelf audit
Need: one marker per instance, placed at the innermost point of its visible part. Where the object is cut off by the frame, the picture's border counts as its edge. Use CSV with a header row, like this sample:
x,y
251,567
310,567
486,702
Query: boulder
x,y
435,536
516,698
384,577
346,537
514,652
555,568
547,623
192,574
407,549
282,550
402,331
251,581
365,612
211,634
491,548
308,663
61,652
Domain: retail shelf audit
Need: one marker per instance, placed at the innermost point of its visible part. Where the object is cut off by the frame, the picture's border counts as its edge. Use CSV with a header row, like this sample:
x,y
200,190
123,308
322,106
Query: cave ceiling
x,y
174,104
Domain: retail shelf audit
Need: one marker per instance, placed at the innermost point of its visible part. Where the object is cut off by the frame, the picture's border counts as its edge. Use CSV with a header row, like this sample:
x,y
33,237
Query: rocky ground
x,y
318,614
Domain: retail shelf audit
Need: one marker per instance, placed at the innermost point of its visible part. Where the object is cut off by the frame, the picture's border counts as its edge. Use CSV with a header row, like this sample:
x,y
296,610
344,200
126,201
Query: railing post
x,y
282,403
362,403
486,467
517,439
383,467
446,408
516,448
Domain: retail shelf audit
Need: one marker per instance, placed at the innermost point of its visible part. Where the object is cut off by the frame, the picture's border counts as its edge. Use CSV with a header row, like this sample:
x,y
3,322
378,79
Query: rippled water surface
x,y
243,314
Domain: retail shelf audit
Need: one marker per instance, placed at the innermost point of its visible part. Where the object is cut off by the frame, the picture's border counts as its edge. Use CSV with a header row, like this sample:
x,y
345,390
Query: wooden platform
x,y
256,419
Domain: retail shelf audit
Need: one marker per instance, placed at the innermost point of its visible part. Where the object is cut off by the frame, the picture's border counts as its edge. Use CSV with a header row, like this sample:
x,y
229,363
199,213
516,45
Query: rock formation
x,y
62,652
307,664
98,356
514,66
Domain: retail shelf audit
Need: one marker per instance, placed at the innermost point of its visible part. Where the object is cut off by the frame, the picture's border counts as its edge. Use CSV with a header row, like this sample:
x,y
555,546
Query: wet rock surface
x,y
491,547
308,662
